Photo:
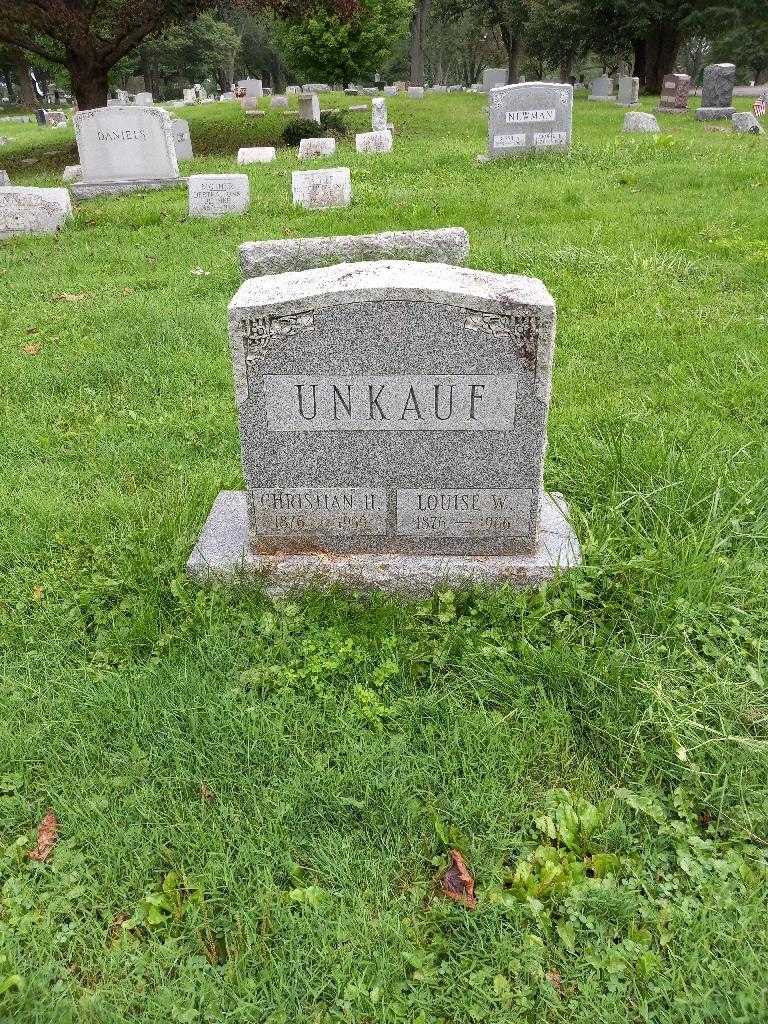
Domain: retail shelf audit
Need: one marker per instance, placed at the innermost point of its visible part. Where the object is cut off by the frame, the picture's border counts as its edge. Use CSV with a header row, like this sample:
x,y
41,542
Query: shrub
x,y
298,128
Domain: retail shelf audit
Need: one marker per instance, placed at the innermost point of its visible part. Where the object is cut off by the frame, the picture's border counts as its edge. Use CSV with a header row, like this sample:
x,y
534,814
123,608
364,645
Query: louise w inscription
x,y
392,402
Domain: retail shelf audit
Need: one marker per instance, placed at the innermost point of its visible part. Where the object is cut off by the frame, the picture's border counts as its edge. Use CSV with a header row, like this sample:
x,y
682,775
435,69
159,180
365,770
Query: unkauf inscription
x,y
390,402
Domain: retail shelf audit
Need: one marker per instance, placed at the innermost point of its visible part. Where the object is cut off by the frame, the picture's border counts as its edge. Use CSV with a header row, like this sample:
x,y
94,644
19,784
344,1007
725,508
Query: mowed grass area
x,y
256,797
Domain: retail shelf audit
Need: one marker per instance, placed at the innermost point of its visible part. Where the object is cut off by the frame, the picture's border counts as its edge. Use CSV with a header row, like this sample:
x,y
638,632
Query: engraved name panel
x,y
334,511
392,402
464,513
530,116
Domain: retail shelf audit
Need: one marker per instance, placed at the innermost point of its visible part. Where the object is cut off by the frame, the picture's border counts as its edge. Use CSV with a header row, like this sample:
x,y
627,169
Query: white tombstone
x,y
278,102
293,90
189,96
225,96
182,140
73,172
216,195
416,92
143,99
256,155
32,211
311,148
378,114
123,149
317,190
390,90
309,107
253,87
374,142
4,179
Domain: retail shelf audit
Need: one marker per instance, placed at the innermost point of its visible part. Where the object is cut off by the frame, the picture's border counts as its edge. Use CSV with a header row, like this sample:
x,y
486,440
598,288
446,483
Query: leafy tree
x,y
89,37
558,35
194,51
327,45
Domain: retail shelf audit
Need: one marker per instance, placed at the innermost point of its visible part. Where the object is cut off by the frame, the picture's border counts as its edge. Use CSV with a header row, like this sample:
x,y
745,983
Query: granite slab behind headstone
x,y
319,190
415,92
217,195
717,93
25,210
674,94
73,172
4,179
278,102
281,255
392,414
253,87
123,149
528,117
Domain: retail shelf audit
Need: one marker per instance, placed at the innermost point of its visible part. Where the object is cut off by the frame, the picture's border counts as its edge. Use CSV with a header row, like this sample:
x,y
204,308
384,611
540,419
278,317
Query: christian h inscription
x,y
393,407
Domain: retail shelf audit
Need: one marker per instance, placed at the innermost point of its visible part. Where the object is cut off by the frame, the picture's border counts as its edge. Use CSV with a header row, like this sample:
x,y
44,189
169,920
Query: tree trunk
x,y
8,78
418,31
89,84
661,50
641,60
515,47
27,94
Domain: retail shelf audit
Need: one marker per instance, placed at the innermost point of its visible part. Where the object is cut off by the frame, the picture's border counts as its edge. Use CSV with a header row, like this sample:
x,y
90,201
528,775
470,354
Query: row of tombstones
x,y
124,149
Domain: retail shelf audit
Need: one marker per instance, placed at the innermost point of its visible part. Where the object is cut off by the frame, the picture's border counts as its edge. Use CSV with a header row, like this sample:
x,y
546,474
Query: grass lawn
x,y
256,797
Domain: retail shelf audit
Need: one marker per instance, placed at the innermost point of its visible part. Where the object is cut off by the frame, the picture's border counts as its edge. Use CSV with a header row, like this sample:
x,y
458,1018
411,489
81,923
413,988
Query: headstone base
x,y
602,99
222,552
671,110
95,189
714,113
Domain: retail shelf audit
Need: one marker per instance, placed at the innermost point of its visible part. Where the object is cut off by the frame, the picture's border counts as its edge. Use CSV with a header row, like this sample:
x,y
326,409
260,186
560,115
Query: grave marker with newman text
x,y
529,116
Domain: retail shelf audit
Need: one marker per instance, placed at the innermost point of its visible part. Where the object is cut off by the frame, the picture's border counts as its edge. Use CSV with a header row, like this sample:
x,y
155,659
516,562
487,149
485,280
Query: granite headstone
x,y
529,116
674,94
717,93
393,426
216,195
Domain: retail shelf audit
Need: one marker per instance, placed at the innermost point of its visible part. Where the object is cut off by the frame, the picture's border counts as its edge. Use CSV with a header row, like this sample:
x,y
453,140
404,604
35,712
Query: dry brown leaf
x,y
457,883
127,291
38,593
206,792
32,350
556,981
71,296
47,837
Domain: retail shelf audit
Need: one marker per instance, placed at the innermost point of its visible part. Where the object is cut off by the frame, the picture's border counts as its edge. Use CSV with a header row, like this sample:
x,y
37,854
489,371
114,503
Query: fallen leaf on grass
x,y
32,350
199,272
71,297
127,291
47,837
38,593
556,981
457,883
206,792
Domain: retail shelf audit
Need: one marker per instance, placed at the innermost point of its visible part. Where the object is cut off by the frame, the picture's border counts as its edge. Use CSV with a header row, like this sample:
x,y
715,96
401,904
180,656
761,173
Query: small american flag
x,y
759,107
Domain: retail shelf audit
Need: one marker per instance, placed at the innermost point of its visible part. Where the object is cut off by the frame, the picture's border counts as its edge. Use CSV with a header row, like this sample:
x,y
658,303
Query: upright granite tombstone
x,y
629,91
493,78
309,107
674,94
216,195
252,86
125,149
393,429
717,93
602,89
378,114
182,140
529,116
